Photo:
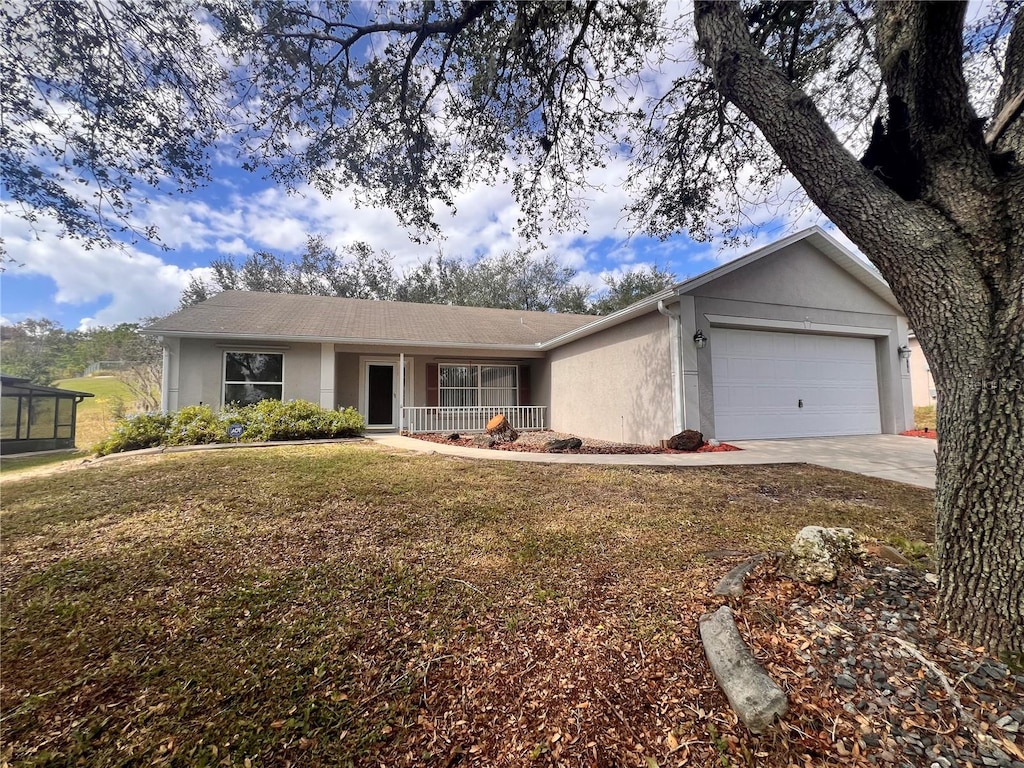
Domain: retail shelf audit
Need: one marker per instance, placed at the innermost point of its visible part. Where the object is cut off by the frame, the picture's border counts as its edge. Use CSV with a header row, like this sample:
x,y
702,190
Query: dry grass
x,y
340,605
924,416
95,416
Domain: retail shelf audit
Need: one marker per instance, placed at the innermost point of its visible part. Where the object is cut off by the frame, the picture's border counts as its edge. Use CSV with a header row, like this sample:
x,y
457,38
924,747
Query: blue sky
x,y
240,213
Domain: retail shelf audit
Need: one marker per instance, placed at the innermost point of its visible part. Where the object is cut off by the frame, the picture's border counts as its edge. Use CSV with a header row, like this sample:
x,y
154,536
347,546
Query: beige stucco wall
x,y
797,276
615,385
201,370
922,384
800,287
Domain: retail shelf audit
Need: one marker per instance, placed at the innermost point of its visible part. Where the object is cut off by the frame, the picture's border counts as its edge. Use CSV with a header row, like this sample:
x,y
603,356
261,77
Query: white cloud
x,y
236,246
136,284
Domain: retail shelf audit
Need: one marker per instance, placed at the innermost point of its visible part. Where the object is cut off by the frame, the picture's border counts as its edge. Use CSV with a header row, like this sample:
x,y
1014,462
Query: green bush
x,y
145,430
196,425
265,421
271,420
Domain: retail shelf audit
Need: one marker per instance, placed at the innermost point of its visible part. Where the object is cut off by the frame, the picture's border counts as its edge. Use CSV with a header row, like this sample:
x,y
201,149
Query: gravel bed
x,y
901,692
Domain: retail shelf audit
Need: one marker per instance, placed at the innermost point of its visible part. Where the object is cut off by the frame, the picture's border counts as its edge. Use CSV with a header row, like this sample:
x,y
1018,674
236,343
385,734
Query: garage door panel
x,y
770,384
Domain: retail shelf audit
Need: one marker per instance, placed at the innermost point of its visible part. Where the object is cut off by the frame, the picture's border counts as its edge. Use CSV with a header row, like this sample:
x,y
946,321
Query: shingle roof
x,y
325,318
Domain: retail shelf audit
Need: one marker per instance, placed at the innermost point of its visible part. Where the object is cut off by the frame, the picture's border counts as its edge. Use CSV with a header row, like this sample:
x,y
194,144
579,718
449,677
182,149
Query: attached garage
x,y
772,384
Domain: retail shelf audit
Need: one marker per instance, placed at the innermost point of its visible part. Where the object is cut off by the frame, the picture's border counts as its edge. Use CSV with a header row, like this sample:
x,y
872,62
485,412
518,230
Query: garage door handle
x,y
799,403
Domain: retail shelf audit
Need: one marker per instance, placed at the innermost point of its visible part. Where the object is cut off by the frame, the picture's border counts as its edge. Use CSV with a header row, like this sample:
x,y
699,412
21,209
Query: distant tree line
x,y
510,280
43,352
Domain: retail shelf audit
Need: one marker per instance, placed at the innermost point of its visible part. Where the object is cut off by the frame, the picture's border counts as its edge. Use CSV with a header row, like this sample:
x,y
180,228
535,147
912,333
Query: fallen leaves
x,y
354,606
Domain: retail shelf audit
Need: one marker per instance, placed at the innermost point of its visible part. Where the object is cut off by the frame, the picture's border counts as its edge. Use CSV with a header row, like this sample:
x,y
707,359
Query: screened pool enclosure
x,y
36,418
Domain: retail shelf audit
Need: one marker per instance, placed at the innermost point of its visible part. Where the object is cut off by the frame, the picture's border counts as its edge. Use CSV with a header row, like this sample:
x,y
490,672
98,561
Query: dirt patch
x,y
872,677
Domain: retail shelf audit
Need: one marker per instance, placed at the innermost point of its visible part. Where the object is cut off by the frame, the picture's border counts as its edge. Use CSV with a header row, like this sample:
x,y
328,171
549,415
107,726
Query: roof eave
x,y
265,337
642,307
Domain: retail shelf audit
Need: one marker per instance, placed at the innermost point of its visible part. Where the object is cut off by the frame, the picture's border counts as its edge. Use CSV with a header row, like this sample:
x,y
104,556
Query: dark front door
x,y
380,395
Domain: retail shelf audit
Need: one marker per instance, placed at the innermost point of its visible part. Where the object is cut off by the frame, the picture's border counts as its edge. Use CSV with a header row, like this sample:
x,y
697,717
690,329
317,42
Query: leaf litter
x,y
343,605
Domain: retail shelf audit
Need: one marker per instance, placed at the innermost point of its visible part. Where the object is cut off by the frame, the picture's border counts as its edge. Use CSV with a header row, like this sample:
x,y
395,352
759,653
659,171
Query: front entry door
x,y
381,395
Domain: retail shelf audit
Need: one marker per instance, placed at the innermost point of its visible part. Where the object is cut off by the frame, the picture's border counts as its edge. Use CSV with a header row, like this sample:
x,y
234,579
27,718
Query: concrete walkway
x,y
908,460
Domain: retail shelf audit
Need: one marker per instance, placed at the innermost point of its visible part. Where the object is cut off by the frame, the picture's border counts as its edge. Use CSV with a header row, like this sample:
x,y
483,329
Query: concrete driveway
x,y
908,460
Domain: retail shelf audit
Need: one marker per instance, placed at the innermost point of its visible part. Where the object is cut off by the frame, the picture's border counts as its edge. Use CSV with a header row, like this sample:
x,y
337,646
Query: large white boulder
x,y
817,554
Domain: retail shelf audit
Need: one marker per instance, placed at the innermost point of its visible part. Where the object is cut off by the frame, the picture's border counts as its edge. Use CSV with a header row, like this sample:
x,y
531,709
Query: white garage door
x,y
771,384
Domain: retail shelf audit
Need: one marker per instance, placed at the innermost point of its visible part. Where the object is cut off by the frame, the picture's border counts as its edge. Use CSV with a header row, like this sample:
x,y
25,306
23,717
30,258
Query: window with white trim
x,y
253,376
471,385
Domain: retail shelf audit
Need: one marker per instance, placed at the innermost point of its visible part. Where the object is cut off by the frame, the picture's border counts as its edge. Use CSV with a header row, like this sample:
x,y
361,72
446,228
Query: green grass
x,y
341,605
95,418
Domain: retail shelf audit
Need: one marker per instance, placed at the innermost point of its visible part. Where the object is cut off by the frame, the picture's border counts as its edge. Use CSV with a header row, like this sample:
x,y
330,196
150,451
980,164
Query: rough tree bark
x,y
949,238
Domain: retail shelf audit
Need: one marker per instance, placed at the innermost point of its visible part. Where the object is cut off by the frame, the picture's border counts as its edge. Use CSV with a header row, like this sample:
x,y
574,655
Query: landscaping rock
x,y
454,436
731,584
569,444
755,698
484,441
687,440
817,554
891,554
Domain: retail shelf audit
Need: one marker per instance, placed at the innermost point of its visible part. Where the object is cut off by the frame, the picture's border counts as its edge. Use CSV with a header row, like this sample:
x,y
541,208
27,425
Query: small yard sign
x,y
235,431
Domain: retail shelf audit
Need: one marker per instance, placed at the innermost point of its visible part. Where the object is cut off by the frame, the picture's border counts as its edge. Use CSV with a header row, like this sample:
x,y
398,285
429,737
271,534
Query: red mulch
x,y
921,433
467,442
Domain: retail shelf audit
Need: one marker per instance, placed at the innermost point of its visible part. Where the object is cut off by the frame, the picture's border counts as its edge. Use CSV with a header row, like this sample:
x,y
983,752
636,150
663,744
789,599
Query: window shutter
x,y
524,385
432,385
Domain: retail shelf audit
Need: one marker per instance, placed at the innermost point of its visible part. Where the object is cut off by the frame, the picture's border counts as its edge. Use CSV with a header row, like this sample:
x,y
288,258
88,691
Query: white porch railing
x,y
471,418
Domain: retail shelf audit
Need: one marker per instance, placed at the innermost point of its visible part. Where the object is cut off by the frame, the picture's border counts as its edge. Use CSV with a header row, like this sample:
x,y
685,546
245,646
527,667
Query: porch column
x,y
690,382
327,376
401,392
171,371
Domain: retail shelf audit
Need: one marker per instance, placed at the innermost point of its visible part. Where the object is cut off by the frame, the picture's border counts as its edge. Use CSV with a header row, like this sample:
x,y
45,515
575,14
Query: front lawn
x,y
341,605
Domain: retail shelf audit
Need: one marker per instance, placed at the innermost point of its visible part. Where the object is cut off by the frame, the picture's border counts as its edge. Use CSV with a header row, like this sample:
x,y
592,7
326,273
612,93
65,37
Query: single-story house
x,y
36,418
799,338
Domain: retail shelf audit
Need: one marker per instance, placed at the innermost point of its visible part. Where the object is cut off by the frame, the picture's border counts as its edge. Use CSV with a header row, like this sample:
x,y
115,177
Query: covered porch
x,y
523,418
437,390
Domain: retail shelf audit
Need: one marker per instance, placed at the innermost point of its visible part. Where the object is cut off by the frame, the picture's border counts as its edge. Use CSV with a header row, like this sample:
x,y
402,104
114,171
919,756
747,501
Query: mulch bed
x,y
537,446
930,433
872,678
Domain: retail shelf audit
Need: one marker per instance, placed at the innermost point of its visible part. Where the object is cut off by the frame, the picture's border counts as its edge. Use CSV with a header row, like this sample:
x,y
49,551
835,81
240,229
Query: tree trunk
x,y
953,254
979,504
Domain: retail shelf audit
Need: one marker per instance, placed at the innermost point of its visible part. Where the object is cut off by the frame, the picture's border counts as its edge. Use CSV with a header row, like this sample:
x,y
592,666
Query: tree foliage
x,y
631,287
42,351
509,280
102,103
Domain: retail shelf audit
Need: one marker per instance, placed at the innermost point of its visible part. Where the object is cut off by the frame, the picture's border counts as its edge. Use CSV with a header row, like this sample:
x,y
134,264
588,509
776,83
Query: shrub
x,y
196,425
265,421
145,430
295,420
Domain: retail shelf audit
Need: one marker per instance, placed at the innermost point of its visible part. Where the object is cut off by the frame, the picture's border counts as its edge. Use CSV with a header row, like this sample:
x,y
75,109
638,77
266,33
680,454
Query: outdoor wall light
x,y
700,340
904,352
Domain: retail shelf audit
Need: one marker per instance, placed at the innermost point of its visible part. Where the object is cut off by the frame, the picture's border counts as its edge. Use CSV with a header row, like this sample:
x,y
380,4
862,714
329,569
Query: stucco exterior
x,y
200,366
615,385
922,383
636,376
799,290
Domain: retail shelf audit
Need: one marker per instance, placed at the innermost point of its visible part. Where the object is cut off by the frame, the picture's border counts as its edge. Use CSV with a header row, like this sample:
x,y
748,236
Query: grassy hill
x,y
95,414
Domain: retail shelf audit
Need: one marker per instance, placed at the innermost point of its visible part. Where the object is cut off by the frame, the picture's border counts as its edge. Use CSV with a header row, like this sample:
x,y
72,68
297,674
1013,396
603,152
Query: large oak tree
x,y
899,123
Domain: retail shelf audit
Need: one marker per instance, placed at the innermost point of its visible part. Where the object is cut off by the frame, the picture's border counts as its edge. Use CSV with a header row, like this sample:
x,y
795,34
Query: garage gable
x,y
798,275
